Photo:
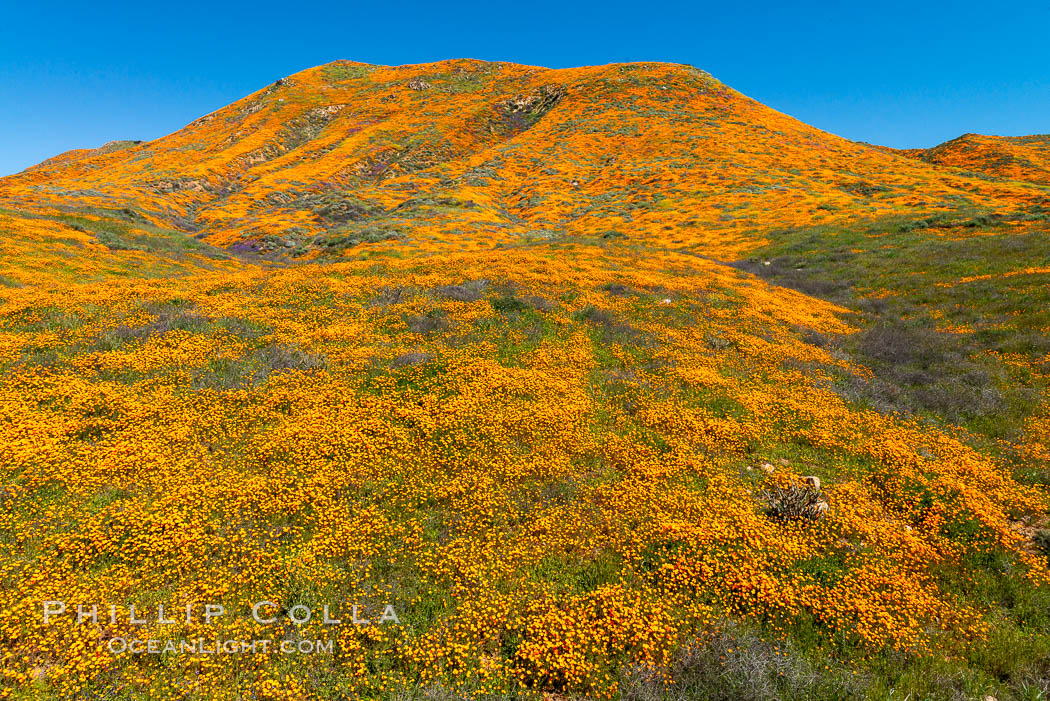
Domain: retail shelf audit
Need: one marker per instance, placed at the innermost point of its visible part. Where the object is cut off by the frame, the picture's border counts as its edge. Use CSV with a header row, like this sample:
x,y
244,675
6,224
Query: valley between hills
x,y
610,381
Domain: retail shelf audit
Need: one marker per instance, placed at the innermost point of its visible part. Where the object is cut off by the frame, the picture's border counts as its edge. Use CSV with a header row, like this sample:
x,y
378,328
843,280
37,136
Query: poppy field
x,y
490,381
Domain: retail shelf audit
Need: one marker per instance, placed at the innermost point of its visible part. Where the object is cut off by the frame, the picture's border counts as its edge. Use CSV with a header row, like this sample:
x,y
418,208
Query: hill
x,y
611,382
1025,158
466,153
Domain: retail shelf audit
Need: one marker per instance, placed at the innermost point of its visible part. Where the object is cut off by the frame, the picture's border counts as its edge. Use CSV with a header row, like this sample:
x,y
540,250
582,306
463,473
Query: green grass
x,y
902,281
341,72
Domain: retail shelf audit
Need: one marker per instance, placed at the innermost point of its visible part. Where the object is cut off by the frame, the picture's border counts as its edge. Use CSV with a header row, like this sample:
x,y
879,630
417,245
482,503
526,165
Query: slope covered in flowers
x,y
548,462
528,356
1024,158
463,154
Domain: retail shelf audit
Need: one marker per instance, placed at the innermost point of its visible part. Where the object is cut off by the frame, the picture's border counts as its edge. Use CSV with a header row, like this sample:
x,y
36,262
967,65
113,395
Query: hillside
x,y
81,153
471,154
613,382
1025,158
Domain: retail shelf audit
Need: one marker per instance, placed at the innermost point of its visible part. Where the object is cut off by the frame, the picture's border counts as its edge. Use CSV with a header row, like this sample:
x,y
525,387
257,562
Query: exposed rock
x,y
168,186
542,100
324,112
514,115
811,481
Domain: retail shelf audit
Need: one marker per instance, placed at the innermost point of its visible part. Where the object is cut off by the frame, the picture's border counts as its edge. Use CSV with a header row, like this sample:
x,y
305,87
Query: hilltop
x,y
612,381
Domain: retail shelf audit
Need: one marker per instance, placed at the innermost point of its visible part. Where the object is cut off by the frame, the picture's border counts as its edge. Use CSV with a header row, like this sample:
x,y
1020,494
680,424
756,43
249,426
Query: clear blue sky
x,y
903,74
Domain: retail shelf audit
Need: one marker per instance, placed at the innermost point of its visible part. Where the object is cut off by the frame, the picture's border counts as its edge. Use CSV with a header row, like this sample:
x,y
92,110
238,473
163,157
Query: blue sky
x,y
903,74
